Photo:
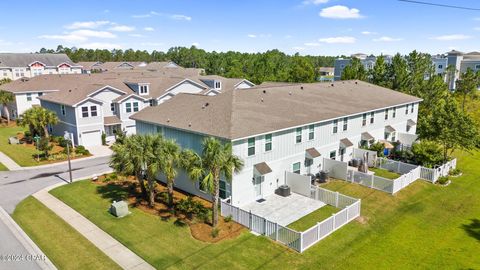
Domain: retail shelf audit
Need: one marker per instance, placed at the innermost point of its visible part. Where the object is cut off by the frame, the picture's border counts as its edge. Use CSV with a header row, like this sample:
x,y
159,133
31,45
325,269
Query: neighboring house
x,y
92,67
367,61
91,104
461,62
326,74
277,127
15,66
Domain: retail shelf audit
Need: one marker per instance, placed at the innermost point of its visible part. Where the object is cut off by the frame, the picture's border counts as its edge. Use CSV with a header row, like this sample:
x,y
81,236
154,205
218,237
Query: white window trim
x,y
265,144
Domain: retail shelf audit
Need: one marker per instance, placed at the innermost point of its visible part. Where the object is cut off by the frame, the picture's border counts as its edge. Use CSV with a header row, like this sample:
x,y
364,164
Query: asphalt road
x,y
17,185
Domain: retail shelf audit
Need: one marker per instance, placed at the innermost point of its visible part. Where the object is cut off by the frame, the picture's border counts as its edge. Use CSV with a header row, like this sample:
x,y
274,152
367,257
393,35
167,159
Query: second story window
x,y
135,106
335,126
345,124
29,97
394,114
251,146
268,142
143,89
128,107
364,119
412,108
93,110
406,109
62,109
84,112
372,117
112,107
311,132
298,135
386,114
40,94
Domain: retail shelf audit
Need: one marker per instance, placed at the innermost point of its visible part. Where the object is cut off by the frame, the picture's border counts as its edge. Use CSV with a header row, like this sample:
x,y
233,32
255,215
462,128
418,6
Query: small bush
x,y
62,142
81,150
454,172
104,138
227,219
215,232
377,147
427,153
192,208
180,223
442,180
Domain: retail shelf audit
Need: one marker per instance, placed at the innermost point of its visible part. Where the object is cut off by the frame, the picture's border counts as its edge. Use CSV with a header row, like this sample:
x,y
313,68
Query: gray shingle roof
x,y
25,59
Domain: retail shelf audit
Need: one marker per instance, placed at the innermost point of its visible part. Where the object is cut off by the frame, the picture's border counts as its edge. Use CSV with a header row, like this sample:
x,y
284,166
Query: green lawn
x,y
424,226
3,167
384,173
313,218
62,244
19,153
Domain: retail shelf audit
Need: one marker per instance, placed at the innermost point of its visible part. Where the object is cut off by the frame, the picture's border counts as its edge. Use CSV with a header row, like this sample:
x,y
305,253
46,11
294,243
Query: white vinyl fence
x,y
432,175
299,241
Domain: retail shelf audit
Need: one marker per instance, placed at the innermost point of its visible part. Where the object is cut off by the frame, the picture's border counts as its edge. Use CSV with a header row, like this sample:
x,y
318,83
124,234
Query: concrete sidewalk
x,y
107,244
16,242
9,163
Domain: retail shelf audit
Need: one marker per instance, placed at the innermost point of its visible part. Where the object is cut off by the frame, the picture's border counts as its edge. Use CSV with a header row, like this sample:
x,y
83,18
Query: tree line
x,y
272,65
442,117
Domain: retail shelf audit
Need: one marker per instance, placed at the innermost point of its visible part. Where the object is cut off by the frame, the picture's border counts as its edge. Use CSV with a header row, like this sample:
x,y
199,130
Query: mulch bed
x,y
199,230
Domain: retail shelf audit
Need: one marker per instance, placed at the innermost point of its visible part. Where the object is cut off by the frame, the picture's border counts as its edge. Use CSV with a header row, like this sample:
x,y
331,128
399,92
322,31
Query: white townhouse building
x,y
277,127
15,66
88,105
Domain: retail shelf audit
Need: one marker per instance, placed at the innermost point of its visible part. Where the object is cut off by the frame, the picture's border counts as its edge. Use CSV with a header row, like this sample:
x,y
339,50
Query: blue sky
x,y
318,27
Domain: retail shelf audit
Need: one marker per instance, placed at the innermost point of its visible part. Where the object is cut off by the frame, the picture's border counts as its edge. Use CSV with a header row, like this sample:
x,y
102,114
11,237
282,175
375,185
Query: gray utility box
x,y
119,209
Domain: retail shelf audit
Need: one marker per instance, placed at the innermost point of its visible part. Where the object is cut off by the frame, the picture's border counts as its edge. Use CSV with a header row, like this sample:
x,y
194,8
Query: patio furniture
x,y
323,176
283,191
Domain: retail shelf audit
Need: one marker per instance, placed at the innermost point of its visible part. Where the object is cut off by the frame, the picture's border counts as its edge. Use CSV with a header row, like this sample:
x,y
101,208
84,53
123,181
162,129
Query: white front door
x,y
258,186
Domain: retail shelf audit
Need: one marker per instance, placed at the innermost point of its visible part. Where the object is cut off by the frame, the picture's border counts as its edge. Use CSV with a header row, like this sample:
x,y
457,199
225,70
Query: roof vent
x,y
262,99
189,124
356,82
301,87
206,104
69,90
264,91
290,93
332,84
168,120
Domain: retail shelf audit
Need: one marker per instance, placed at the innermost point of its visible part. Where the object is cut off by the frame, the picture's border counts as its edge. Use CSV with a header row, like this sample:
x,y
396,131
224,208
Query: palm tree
x,y
151,143
5,98
38,119
167,162
217,160
128,158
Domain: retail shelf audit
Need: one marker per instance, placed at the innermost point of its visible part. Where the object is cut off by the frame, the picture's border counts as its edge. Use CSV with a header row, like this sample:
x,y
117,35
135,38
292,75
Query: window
x,y
143,89
29,97
477,66
151,102
385,136
5,74
201,186
93,110
251,146
335,126
296,167
135,106
372,117
62,109
440,66
386,114
406,109
408,128
223,188
311,132
40,94
345,124
17,72
298,136
393,137
112,107
84,111
268,142
333,154
218,85
394,114
128,107
364,119
412,108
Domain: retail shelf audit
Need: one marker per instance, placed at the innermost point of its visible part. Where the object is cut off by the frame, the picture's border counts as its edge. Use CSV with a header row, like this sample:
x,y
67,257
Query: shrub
x,y
104,138
192,208
427,153
442,180
377,147
44,146
81,150
454,172
27,136
227,219
180,222
215,232
62,142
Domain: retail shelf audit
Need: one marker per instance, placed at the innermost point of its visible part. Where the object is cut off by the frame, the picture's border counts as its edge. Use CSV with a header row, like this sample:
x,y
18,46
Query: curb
x,y
25,240
56,164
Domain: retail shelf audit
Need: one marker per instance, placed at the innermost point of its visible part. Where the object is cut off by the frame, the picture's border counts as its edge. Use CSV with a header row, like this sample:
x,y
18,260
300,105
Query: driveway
x,y
99,150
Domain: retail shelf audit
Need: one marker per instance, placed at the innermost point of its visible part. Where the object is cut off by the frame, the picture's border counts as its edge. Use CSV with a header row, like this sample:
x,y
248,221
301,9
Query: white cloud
x,y
149,29
146,15
367,33
137,35
89,24
251,36
180,17
340,12
451,37
312,44
298,48
386,39
259,35
288,36
100,45
196,44
152,44
342,40
122,28
79,35
314,2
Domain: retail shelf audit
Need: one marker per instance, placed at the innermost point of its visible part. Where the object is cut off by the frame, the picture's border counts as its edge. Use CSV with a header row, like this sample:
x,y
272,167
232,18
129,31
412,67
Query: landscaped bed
x,y
26,153
388,228
313,218
384,173
62,244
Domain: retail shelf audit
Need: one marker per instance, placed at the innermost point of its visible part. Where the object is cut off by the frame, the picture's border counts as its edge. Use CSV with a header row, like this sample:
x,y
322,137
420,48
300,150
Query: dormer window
x,y
218,85
143,89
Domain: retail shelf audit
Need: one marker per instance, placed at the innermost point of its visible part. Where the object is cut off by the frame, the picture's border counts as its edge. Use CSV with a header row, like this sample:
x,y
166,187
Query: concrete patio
x,y
283,210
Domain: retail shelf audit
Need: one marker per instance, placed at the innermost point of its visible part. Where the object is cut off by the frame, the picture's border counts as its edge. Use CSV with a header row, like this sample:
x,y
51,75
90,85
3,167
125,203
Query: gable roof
x,y
25,59
264,109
